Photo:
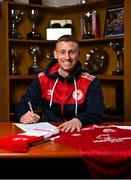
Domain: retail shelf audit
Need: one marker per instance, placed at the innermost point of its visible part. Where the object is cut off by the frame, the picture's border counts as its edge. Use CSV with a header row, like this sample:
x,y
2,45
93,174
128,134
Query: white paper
x,y
37,133
40,126
124,127
38,129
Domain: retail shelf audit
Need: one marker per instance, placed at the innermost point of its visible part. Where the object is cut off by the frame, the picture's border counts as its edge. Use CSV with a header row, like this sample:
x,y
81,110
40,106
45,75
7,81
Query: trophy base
x,y
16,36
88,36
14,73
117,73
34,70
34,35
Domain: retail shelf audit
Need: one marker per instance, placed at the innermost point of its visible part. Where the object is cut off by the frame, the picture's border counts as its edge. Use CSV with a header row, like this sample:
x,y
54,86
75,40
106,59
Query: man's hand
x,y
71,126
29,117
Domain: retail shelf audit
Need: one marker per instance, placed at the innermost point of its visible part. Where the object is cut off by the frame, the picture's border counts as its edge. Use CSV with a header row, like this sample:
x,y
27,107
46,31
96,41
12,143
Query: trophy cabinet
x,y
25,51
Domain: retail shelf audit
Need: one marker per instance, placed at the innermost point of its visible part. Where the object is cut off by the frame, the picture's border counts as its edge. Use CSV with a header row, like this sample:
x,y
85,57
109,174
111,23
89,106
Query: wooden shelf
x,y
20,77
24,41
103,39
111,77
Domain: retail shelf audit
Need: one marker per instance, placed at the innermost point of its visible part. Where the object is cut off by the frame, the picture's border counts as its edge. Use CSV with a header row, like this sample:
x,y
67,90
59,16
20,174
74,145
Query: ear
x,y
55,54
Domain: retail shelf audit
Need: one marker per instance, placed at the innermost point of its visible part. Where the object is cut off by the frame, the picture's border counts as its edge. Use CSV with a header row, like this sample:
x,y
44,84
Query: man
x,y
65,91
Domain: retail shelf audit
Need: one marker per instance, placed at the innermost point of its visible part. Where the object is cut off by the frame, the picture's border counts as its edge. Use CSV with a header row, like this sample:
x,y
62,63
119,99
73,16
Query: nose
x,y
67,55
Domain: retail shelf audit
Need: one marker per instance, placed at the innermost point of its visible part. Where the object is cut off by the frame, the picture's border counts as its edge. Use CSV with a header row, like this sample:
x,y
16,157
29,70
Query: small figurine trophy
x,y
119,50
88,24
34,16
15,16
14,58
35,52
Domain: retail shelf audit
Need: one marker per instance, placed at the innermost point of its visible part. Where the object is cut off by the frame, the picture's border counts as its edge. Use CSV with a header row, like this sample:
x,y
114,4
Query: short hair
x,y
67,38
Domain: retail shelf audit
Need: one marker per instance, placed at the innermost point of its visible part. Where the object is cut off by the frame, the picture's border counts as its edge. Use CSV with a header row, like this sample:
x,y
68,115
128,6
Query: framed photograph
x,y
114,22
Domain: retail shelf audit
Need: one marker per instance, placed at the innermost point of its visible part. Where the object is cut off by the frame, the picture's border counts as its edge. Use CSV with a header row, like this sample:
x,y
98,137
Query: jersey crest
x,y
77,94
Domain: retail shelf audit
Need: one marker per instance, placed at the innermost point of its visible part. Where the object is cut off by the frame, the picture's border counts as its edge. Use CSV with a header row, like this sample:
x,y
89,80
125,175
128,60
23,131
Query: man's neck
x,y
63,73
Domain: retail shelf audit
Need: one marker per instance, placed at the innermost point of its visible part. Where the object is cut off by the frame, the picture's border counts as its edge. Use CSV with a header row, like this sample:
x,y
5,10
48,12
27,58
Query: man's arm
x,y
95,105
32,95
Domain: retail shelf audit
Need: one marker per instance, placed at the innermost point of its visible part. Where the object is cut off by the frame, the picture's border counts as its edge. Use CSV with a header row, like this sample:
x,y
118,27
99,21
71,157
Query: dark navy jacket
x,y
61,98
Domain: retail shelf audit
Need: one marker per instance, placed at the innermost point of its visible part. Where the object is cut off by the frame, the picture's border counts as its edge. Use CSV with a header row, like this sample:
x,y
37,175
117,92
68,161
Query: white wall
x,y
57,3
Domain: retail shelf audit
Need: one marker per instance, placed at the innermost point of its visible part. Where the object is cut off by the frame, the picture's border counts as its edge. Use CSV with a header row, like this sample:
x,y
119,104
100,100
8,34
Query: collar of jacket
x,y
52,71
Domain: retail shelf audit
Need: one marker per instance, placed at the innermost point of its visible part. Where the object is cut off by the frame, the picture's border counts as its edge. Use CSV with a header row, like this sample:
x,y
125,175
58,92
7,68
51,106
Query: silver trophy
x,y
34,16
14,61
119,50
35,52
15,17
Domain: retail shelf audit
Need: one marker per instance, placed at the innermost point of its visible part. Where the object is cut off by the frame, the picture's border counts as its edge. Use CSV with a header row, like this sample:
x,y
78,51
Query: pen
x,y
39,142
30,106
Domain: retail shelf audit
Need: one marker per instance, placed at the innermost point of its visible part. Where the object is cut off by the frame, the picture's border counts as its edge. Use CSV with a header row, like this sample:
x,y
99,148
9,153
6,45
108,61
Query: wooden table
x,y
46,160
48,149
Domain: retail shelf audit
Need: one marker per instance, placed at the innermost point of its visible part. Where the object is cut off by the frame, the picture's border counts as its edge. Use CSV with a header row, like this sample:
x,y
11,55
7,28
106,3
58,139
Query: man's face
x,y
67,54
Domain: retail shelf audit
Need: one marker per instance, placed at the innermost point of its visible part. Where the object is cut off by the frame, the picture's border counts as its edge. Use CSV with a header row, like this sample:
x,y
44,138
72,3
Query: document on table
x,y
124,127
38,129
